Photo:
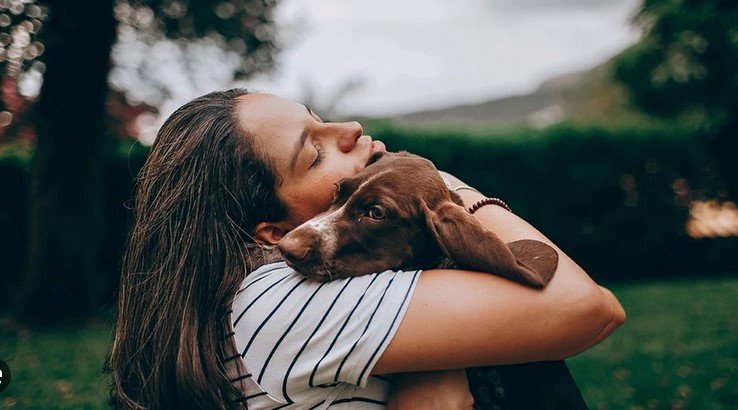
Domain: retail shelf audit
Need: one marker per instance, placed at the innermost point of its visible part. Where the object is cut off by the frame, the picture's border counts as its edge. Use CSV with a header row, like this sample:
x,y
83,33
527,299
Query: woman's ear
x,y
268,233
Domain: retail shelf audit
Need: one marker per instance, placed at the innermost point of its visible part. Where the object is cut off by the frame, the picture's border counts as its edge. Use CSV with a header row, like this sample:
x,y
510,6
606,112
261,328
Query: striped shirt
x,y
307,344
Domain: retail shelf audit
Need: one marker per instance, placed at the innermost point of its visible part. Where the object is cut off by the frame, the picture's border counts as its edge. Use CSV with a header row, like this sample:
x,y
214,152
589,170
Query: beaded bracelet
x,y
488,201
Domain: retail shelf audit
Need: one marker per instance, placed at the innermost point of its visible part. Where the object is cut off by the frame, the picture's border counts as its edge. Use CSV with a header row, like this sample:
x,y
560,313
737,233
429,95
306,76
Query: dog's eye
x,y
375,212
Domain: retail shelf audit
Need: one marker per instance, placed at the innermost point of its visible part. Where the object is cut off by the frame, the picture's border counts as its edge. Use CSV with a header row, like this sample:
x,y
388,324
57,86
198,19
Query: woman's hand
x,y
447,389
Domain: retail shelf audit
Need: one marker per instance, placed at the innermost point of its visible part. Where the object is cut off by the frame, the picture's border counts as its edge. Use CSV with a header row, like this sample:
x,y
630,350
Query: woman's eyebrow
x,y
298,147
300,143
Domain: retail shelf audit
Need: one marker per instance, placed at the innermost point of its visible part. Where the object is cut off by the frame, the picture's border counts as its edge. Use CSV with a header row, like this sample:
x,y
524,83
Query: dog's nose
x,y
296,246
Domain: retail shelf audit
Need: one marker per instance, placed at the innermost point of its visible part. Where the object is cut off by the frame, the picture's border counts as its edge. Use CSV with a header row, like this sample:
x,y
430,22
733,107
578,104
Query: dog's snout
x,y
297,246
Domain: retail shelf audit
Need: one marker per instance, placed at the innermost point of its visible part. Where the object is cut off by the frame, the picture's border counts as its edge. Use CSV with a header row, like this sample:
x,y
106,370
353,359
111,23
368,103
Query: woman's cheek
x,y
302,203
313,194
317,196
326,187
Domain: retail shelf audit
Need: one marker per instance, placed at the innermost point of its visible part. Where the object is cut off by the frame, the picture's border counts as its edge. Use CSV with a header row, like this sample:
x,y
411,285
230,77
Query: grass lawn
x,y
679,349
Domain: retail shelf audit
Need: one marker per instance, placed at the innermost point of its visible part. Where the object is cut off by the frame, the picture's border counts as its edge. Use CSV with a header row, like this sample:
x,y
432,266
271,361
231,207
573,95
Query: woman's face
x,y
309,155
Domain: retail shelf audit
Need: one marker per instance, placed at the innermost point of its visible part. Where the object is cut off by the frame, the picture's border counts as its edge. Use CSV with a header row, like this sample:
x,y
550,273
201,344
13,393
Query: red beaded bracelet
x,y
488,201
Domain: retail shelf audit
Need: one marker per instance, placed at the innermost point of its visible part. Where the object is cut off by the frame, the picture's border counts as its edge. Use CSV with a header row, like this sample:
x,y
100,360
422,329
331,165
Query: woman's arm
x,y
460,318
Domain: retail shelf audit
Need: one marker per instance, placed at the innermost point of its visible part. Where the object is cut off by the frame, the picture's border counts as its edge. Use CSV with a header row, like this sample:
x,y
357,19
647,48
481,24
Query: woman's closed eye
x,y
319,157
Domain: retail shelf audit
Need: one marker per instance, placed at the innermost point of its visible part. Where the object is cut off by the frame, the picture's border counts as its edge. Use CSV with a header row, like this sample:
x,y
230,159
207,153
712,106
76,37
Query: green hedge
x,y
604,196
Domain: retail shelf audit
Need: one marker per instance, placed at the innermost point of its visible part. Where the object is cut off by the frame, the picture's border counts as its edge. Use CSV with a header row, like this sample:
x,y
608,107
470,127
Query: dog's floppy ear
x,y
462,238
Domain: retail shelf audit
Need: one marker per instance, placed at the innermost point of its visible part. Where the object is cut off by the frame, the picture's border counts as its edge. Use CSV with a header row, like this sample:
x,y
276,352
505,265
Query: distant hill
x,y
585,97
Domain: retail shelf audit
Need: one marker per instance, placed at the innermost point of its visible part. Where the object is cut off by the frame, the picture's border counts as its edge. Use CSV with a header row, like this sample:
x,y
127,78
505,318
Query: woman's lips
x,y
378,146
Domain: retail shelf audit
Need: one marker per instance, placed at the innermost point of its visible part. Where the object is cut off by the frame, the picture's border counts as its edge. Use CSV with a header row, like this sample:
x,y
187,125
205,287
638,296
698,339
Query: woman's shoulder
x,y
265,290
277,277
295,333
268,272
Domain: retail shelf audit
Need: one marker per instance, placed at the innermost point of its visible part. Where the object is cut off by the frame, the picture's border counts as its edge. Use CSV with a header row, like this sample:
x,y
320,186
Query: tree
x,y
686,66
62,279
20,24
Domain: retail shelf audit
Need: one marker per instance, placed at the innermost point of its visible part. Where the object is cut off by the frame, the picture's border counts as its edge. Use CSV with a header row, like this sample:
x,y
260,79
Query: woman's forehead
x,y
268,109
274,122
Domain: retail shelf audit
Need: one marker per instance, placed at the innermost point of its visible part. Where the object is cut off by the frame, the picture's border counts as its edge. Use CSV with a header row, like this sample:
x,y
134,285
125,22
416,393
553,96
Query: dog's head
x,y
398,213
375,222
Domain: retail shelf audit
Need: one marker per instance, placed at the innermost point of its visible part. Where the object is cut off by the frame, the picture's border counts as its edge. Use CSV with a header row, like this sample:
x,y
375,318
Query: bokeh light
x,y
21,72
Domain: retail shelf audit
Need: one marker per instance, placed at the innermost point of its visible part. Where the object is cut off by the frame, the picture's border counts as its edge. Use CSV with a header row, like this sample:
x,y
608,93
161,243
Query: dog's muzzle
x,y
298,247
309,248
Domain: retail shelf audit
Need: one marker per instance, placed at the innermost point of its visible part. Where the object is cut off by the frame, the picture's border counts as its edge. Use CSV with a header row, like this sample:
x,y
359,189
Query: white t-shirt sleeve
x,y
297,335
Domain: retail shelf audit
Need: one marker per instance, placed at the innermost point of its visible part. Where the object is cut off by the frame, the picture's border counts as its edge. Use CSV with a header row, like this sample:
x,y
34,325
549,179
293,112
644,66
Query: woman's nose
x,y
350,133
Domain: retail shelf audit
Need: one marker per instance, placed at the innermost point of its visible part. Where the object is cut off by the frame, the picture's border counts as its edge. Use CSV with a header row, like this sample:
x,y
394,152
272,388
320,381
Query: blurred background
x,y
611,125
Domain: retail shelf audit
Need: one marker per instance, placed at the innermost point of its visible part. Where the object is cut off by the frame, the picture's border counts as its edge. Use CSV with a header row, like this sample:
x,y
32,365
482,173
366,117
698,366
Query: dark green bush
x,y
14,212
15,163
606,197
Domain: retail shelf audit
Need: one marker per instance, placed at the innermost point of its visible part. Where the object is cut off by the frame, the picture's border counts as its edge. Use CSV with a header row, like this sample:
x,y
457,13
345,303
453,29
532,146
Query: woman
x,y
229,174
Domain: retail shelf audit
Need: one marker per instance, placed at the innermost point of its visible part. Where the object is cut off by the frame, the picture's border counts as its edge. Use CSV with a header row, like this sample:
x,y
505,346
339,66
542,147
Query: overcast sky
x,y
416,54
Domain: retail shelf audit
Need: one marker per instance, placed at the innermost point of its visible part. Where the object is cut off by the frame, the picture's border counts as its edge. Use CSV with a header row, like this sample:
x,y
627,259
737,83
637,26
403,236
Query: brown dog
x,y
398,213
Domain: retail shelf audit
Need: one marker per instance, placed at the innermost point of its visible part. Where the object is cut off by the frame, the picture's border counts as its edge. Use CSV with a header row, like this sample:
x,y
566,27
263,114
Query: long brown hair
x,y
197,199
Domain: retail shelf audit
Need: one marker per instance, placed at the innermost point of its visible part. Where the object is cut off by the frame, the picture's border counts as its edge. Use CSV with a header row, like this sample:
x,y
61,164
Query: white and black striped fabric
x,y
306,344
